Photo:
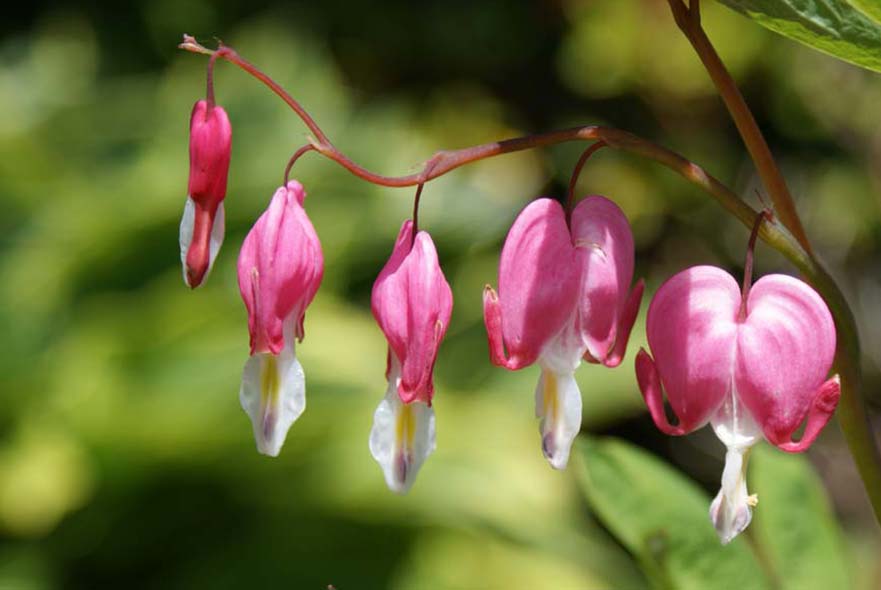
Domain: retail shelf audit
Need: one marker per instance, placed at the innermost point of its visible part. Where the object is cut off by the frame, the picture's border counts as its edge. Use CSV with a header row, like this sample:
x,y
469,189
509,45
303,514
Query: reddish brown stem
x,y
209,82
303,149
576,172
748,264
231,55
415,229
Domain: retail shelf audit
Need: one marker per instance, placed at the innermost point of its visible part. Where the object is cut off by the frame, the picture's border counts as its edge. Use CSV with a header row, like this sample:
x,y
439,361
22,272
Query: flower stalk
x,y
689,22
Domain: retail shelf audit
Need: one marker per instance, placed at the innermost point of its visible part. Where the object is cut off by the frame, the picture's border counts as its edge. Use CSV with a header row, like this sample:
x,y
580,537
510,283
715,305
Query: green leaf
x,y
848,30
662,518
794,525
871,8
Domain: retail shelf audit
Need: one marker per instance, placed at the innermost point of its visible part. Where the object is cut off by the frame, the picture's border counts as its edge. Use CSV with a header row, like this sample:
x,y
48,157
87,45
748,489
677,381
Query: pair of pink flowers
x,y
280,268
753,363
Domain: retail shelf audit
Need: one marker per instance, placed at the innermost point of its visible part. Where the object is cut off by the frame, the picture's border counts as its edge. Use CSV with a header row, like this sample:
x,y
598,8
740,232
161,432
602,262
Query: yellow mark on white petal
x,y
269,384
752,500
551,400
405,427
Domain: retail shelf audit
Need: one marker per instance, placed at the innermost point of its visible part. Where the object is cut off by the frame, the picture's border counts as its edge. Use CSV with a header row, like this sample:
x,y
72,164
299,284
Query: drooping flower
x,y
202,224
752,369
412,303
280,269
563,297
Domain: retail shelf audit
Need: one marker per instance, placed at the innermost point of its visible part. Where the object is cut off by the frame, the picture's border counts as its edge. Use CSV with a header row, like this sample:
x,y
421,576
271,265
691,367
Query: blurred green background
x,y
125,459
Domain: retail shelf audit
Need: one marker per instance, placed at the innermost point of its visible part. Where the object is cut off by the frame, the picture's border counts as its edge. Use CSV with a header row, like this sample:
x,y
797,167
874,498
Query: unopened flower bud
x,y
202,225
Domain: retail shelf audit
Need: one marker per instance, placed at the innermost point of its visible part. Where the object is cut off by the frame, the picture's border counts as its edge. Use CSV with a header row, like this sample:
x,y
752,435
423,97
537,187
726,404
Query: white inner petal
x,y
558,404
186,234
562,353
734,425
215,240
402,437
731,510
273,394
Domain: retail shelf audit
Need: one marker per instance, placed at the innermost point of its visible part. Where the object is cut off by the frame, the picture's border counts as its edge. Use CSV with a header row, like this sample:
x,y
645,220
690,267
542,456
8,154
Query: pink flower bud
x,y
280,269
760,375
563,297
412,303
202,225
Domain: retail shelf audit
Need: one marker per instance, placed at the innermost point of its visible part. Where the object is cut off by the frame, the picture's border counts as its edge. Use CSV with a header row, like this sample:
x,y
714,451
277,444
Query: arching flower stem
x,y
748,263
416,213
576,172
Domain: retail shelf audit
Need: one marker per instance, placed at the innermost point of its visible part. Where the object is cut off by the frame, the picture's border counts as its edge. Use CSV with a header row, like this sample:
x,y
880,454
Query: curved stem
x,y
576,172
415,228
688,20
229,54
748,264
303,149
209,82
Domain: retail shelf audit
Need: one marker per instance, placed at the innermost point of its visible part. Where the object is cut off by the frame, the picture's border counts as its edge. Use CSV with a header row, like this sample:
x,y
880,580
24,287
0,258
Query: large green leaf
x,y
662,518
872,8
849,30
794,524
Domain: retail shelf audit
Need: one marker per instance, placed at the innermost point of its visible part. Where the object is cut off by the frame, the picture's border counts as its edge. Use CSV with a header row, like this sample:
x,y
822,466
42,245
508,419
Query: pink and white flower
x,y
202,224
280,269
754,369
412,303
564,295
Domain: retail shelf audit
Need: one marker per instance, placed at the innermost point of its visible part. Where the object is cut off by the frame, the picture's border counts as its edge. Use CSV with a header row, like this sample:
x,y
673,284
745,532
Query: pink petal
x,y
785,350
650,386
604,245
280,269
822,408
538,285
203,237
210,149
625,325
492,319
691,331
412,303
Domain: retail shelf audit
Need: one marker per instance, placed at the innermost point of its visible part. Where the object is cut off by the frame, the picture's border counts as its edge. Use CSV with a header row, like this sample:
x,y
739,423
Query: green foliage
x,y
662,518
849,30
794,524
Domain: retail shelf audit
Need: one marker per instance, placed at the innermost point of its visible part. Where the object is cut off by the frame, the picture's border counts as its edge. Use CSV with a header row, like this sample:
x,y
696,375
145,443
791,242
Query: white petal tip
x,y
728,520
273,394
402,438
558,404
215,239
731,510
557,455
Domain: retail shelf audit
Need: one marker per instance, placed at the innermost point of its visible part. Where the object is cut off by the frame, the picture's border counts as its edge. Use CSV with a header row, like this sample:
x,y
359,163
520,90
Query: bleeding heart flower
x,y
412,303
563,297
280,269
751,364
201,227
